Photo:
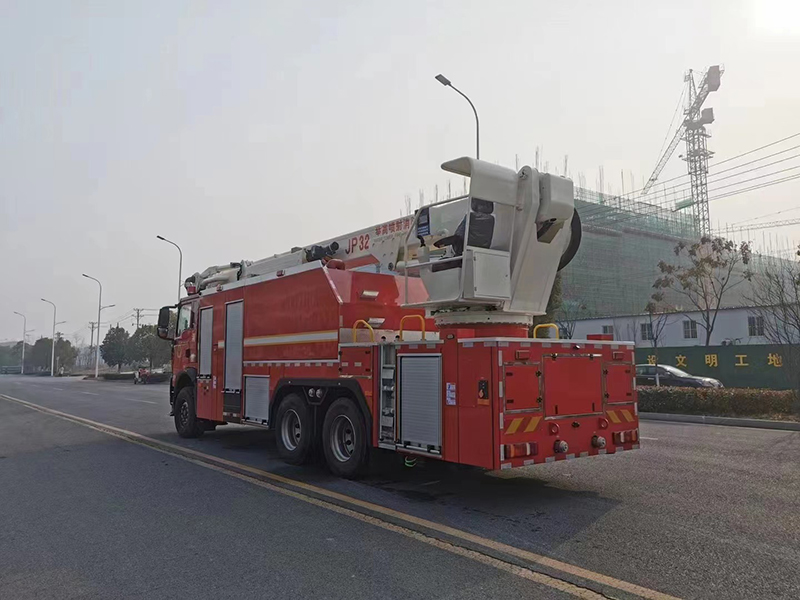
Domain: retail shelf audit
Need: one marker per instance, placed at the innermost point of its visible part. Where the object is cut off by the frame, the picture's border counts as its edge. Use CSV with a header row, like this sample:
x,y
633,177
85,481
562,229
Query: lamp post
x,y
53,350
446,83
180,262
99,308
24,335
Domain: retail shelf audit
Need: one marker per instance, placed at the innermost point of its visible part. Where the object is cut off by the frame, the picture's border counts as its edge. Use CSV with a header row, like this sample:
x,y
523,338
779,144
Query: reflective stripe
x,y
293,338
532,424
514,425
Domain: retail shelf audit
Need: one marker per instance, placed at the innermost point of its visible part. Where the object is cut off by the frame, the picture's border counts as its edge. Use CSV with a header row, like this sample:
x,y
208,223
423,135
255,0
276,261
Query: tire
x,y
294,429
186,422
344,439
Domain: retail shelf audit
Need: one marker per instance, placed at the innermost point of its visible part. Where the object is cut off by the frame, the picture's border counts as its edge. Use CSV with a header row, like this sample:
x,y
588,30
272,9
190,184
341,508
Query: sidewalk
x,y
729,421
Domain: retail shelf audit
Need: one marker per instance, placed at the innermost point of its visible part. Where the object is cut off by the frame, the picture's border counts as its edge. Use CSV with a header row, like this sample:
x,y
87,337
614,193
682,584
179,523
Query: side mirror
x,y
163,324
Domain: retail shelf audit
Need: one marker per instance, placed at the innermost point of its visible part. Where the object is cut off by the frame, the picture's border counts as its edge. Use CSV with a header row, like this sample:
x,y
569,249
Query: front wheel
x,y
344,439
293,430
186,422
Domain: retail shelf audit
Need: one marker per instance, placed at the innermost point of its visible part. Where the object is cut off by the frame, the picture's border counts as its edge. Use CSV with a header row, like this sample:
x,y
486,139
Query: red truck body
x,y
482,395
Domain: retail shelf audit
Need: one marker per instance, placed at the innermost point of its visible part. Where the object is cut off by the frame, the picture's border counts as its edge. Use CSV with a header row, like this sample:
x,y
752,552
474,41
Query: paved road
x,y
699,512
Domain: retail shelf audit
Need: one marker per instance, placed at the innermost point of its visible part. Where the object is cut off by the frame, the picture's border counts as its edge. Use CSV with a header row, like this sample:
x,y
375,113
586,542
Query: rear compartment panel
x,y
573,384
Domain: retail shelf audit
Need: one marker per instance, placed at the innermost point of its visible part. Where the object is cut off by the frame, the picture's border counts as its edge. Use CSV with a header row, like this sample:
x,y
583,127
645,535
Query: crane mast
x,y
692,130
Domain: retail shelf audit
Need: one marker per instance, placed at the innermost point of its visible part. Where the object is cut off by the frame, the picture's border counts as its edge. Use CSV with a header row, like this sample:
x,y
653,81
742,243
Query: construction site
x,y
626,235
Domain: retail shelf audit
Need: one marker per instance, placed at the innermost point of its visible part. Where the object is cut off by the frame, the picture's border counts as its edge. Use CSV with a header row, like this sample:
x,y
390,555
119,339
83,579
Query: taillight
x,y
626,437
523,449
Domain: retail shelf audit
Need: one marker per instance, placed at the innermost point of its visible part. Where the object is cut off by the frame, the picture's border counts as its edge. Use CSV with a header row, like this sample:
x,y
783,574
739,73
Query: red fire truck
x,y
413,336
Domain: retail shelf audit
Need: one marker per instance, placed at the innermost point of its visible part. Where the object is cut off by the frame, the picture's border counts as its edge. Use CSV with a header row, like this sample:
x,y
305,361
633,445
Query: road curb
x,y
729,421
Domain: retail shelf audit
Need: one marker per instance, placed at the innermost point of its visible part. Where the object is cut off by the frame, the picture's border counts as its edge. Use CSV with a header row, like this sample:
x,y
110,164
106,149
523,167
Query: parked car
x,y
672,376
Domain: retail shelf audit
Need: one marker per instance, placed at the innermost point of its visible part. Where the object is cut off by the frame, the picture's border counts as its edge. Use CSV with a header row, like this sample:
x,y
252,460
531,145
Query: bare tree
x,y
554,304
658,317
567,315
705,272
775,298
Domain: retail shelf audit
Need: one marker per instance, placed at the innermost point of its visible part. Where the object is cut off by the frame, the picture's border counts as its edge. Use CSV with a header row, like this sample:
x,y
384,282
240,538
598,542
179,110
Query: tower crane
x,y
692,130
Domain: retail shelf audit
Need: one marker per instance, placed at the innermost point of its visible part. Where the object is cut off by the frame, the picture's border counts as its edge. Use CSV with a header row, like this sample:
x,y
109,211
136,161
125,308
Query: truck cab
x,y
179,324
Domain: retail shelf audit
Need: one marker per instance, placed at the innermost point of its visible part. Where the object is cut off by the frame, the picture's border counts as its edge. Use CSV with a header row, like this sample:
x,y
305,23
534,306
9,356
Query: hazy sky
x,y
240,129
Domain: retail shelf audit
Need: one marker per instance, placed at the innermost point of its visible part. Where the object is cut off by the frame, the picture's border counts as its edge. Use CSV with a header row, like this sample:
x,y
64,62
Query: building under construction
x,y
623,241
624,238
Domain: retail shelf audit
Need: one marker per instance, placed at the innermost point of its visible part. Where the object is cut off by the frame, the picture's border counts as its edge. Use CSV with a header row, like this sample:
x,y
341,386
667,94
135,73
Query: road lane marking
x,y
234,469
647,438
59,389
514,569
90,393
137,400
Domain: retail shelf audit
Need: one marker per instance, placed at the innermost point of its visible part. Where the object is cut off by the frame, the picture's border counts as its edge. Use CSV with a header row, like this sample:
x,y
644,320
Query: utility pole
x,y
138,312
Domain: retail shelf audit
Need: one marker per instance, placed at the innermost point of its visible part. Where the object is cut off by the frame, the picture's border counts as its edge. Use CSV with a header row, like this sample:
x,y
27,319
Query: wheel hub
x,y
291,430
343,438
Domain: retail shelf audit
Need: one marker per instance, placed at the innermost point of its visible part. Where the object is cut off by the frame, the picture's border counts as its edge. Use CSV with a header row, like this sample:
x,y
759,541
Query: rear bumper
x,y
531,438
526,461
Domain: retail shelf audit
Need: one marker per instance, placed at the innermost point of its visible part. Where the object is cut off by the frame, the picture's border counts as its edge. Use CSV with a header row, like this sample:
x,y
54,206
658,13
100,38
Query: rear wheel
x,y
344,439
293,430
186,422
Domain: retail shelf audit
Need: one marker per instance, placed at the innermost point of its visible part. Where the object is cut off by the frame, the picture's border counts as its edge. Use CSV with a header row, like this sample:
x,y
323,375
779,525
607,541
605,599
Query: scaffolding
x,y
624,239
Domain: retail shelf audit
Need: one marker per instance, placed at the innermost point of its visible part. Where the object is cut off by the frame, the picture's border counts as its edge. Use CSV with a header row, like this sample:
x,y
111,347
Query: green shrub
x,y
116,376
732,402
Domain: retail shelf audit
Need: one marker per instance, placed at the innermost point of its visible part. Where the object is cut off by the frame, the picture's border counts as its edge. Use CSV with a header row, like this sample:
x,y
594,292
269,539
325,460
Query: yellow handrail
x,y
420,317
371,330
549,325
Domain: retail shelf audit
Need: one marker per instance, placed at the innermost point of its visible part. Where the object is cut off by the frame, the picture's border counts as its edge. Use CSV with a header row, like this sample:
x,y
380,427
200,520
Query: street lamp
x,y
99,308
180,263
102,308
446,83
53,350
24,335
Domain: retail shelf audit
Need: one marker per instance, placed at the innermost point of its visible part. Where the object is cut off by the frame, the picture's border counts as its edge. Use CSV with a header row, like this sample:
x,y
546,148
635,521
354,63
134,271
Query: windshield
x,y
675,371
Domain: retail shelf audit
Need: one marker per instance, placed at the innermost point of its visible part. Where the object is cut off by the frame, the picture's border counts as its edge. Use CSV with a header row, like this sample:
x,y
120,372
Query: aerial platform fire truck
x,y
413,336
